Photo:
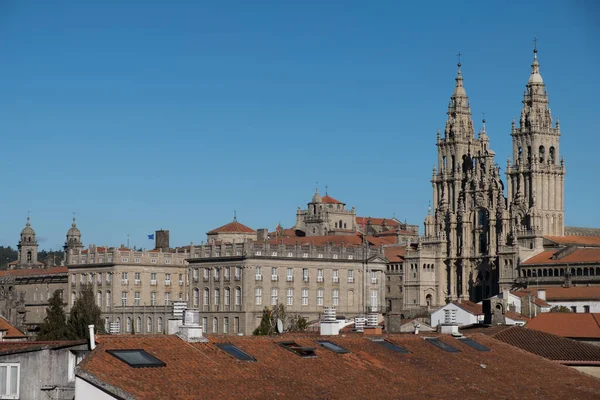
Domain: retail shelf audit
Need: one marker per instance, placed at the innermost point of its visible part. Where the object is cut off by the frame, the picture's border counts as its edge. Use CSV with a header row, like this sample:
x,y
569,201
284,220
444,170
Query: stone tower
x,y
73,241
28,247
536,176
315,218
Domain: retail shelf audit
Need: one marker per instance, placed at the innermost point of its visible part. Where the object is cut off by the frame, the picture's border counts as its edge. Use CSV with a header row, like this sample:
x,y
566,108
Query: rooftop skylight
x,y
470,342
391,346
442,345
235,351
137,358
304,352
333,347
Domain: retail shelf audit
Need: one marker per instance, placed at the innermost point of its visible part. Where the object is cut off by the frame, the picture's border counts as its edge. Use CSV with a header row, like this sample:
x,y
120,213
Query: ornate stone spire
x,y
459,124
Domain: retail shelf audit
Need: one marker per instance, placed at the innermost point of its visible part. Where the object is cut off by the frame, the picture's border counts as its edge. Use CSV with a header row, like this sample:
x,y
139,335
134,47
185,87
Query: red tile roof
x,y
11,331
395,253
232,227
469,306
35,271
580,255
571,325
23,347
581,240
377,221
536,300
330,200
368,371
569,293
553,347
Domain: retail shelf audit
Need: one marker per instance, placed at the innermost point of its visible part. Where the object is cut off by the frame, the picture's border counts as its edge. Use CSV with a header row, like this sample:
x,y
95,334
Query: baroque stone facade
x,y
474,236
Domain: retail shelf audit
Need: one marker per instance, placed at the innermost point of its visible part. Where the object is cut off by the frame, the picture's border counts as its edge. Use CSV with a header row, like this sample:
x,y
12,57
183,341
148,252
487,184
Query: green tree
x,y
55,325
268,323
560,309
85,312
298,323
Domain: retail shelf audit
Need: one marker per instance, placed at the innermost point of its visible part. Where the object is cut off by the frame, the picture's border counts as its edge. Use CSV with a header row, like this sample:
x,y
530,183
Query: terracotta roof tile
x,y
377,221
22,347
469,306
580,255
571,325
395,253
35,271
232,227
11,331
330,200
581,240
536,300
368,371
569,293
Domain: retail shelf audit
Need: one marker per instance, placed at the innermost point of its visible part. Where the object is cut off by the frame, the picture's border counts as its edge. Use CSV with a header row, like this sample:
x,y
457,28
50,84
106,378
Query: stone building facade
x,y
474,236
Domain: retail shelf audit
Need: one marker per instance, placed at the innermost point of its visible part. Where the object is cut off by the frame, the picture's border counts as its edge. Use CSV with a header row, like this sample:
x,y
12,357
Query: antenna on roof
x,y
326,190
234,215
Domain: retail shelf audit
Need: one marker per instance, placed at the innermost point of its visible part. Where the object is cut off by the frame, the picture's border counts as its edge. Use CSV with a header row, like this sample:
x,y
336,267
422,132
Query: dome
x,y
535,78
28,230
73,231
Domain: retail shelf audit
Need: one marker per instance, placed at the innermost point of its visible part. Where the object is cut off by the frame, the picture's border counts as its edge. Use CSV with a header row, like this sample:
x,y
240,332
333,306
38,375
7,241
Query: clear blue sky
x,y
142,115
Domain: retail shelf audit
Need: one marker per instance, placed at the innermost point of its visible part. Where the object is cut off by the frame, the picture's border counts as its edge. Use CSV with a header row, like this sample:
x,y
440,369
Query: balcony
x,y
137,282
274,278
336,279
180,283
124,282
168,282
373,280
152,282
350,279
305,279
259,277
289,278
319,279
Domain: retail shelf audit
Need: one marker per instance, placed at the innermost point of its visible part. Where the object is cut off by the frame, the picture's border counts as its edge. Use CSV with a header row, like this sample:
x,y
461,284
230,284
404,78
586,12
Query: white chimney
x,y
416,325
92,337
541,294
191,330
329,324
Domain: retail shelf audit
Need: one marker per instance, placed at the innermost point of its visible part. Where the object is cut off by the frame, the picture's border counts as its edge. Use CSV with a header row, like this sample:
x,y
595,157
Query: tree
x,y
298,323
55,325
84,312
563,309
269,319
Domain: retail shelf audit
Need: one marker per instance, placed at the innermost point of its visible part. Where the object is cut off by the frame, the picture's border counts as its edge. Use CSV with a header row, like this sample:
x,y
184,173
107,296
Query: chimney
x,y
262,235
541,294
329,324
191,330
92,337
162,240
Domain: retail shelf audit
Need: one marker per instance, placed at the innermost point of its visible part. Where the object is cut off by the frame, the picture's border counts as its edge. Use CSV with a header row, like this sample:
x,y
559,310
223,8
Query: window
x,y
124,299
205,324
238,296
319,275
391,346
225,324
259,273
153,278
236,325
470,342
586,309
167,279
274,274
374,298
196,298
195,274
9,380
350,276
159,328
319,297
153,260
238,273
373,276
304,352
235,351
574,309
124,277
227,296
274,296
137,278
336,276
206,296
136,358
138,325
227,273
304,297
99,278
108,299
215,325
137,260
108,277
217,274
149,324
290,275
128,324
335,296
305,274
217,297
99,299
124,259
332,346
290,296
153,298
180,279
258,296
442,345
205,273
167,298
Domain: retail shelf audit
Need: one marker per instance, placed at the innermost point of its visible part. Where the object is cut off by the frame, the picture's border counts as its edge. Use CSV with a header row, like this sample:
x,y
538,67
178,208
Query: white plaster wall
x,y
462,317
87,391
594,305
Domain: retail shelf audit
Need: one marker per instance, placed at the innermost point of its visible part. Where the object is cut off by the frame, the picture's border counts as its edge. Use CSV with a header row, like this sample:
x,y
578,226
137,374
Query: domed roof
x,y
28,230
535,76
317,197
74,231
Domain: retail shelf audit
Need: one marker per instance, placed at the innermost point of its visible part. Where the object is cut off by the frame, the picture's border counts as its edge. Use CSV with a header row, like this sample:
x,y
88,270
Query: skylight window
x,y
137,358
333,347
442,345
391,346
470,342
235,351
304,352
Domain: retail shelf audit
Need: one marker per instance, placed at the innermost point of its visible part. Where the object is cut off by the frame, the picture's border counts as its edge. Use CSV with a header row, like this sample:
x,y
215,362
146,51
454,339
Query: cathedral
x,y
475,236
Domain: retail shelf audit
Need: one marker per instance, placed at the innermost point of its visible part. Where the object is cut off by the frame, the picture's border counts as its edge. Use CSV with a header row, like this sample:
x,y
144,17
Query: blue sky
x,y
142,115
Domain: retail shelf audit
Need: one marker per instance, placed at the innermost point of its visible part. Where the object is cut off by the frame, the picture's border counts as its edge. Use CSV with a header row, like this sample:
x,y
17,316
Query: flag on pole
x,y
151,237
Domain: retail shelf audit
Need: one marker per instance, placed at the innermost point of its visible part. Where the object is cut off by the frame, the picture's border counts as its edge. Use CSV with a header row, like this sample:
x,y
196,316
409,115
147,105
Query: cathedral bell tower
x,y
28,247
537,174
73,242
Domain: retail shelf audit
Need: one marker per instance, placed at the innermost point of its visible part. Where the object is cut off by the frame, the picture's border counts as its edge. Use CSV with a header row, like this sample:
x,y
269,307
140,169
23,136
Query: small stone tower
x,y
28,247
315,219
73,241
537,175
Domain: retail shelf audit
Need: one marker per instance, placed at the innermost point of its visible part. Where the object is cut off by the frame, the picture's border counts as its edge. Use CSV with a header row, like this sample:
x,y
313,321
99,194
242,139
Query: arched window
x,y
108,298
215,325
429,300
73,298
552,158
118,324
149,324
28,256
196,296
128,324
159,328
227,296
542,154
206,296
238,296
217,296
138,325
100,298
